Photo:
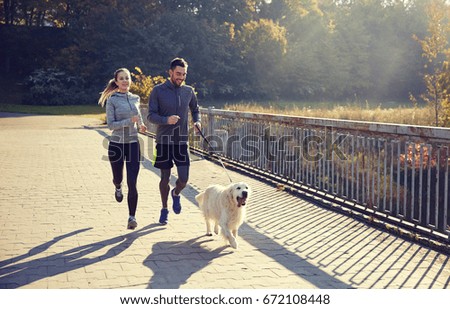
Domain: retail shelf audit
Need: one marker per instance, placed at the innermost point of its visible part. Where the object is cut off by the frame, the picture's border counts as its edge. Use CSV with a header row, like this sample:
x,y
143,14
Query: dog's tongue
x,y
241,201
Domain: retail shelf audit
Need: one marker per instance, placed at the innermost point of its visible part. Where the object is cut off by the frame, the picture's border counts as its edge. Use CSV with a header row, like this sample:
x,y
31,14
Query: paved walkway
x,y
61,227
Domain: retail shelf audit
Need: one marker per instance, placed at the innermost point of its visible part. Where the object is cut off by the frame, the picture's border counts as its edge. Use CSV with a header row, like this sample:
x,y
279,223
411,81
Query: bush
x,y
143,85
55,87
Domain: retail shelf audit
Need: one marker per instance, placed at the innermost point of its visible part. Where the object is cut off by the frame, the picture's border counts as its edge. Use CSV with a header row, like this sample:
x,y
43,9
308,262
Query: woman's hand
x,y
142,128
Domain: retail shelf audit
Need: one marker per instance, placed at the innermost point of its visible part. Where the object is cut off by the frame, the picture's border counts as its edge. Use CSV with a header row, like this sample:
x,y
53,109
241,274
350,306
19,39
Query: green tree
x,y
394,58
301,49
436,52
105,36
236,12
262,45
308,66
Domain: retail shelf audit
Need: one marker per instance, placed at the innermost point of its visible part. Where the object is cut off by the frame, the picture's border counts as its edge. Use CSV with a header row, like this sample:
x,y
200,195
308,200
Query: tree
x,y
290,49
144,84
236,12
262,44
9,11
31,13
436,52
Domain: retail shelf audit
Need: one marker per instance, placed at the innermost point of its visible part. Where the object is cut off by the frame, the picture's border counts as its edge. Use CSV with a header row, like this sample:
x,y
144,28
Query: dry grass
x,y
400,115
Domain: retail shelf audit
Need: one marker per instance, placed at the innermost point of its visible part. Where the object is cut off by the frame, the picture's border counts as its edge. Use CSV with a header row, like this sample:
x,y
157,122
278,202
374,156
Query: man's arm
x,y
195,110
153,109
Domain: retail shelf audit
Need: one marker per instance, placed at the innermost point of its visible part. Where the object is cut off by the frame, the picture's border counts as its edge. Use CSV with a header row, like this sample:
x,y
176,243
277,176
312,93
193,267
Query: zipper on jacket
x,y
129,104
177,92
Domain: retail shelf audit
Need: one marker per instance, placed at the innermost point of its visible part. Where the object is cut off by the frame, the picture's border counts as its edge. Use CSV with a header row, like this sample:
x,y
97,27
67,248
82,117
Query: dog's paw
x,y
209,234
216,230
233,243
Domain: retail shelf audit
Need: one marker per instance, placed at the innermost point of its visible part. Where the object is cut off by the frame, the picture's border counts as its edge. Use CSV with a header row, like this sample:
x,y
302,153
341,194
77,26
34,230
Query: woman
x,y
123,117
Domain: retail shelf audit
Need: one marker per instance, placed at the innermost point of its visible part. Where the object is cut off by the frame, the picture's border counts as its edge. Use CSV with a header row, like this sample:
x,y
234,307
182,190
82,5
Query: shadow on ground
x,y
14,273
173,263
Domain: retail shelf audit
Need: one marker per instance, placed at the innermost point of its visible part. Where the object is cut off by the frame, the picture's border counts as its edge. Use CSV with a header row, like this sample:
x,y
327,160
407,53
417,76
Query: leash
x,y
211,151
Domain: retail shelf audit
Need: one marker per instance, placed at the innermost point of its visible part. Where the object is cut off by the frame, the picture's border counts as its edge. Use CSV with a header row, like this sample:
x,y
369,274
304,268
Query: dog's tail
x,y
199,198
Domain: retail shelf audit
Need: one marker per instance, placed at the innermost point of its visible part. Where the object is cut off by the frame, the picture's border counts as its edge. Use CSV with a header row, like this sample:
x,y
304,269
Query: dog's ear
x,y
229,193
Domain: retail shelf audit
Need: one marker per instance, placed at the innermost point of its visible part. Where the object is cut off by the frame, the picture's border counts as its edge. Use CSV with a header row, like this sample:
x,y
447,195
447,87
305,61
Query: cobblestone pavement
x,y
62,228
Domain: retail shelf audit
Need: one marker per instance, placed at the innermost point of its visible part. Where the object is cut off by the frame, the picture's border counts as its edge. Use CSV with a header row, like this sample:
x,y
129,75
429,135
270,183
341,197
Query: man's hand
x,y
173,119
198,127
142,128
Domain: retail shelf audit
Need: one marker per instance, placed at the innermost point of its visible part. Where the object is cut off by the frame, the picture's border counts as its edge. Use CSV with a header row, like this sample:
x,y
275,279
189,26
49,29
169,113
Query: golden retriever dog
x,y
225,207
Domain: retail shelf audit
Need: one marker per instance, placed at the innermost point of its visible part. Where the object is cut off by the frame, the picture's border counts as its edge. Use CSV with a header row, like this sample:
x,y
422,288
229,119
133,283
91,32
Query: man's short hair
x,y
178,62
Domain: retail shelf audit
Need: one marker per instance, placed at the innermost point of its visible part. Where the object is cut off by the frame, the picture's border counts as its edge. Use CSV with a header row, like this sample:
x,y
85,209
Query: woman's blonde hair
x,y
111,87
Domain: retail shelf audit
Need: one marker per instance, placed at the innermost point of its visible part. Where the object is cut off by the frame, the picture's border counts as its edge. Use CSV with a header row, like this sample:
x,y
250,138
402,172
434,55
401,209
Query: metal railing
x,y
394,171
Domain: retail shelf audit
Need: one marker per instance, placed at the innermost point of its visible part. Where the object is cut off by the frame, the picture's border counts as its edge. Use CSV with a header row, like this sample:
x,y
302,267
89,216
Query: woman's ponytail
x,y
106,94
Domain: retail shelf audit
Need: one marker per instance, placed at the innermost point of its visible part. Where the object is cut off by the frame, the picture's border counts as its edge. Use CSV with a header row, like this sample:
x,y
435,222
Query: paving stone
x,y
62,228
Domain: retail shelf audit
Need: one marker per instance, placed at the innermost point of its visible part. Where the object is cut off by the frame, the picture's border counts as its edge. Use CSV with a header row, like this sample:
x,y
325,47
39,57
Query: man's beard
x,y
176,83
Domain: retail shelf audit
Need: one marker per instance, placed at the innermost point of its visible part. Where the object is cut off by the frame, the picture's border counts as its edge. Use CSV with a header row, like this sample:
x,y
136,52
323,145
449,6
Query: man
x,y
169,105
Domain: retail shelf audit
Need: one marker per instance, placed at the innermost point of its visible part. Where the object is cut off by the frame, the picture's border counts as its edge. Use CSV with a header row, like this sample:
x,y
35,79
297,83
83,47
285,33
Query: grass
x,y
389,113
409,114
92,111
12,90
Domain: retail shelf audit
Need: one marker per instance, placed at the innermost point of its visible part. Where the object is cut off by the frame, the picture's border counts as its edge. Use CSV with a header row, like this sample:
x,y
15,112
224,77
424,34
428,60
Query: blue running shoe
x,y
163,217
176,202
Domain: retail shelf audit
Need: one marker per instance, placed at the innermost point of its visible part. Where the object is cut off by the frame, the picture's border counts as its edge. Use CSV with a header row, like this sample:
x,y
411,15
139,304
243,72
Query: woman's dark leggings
x,y
130,153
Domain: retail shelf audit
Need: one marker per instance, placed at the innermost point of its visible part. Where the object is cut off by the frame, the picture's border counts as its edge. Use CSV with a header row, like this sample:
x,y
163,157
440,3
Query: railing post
x,y
387,168
210,121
